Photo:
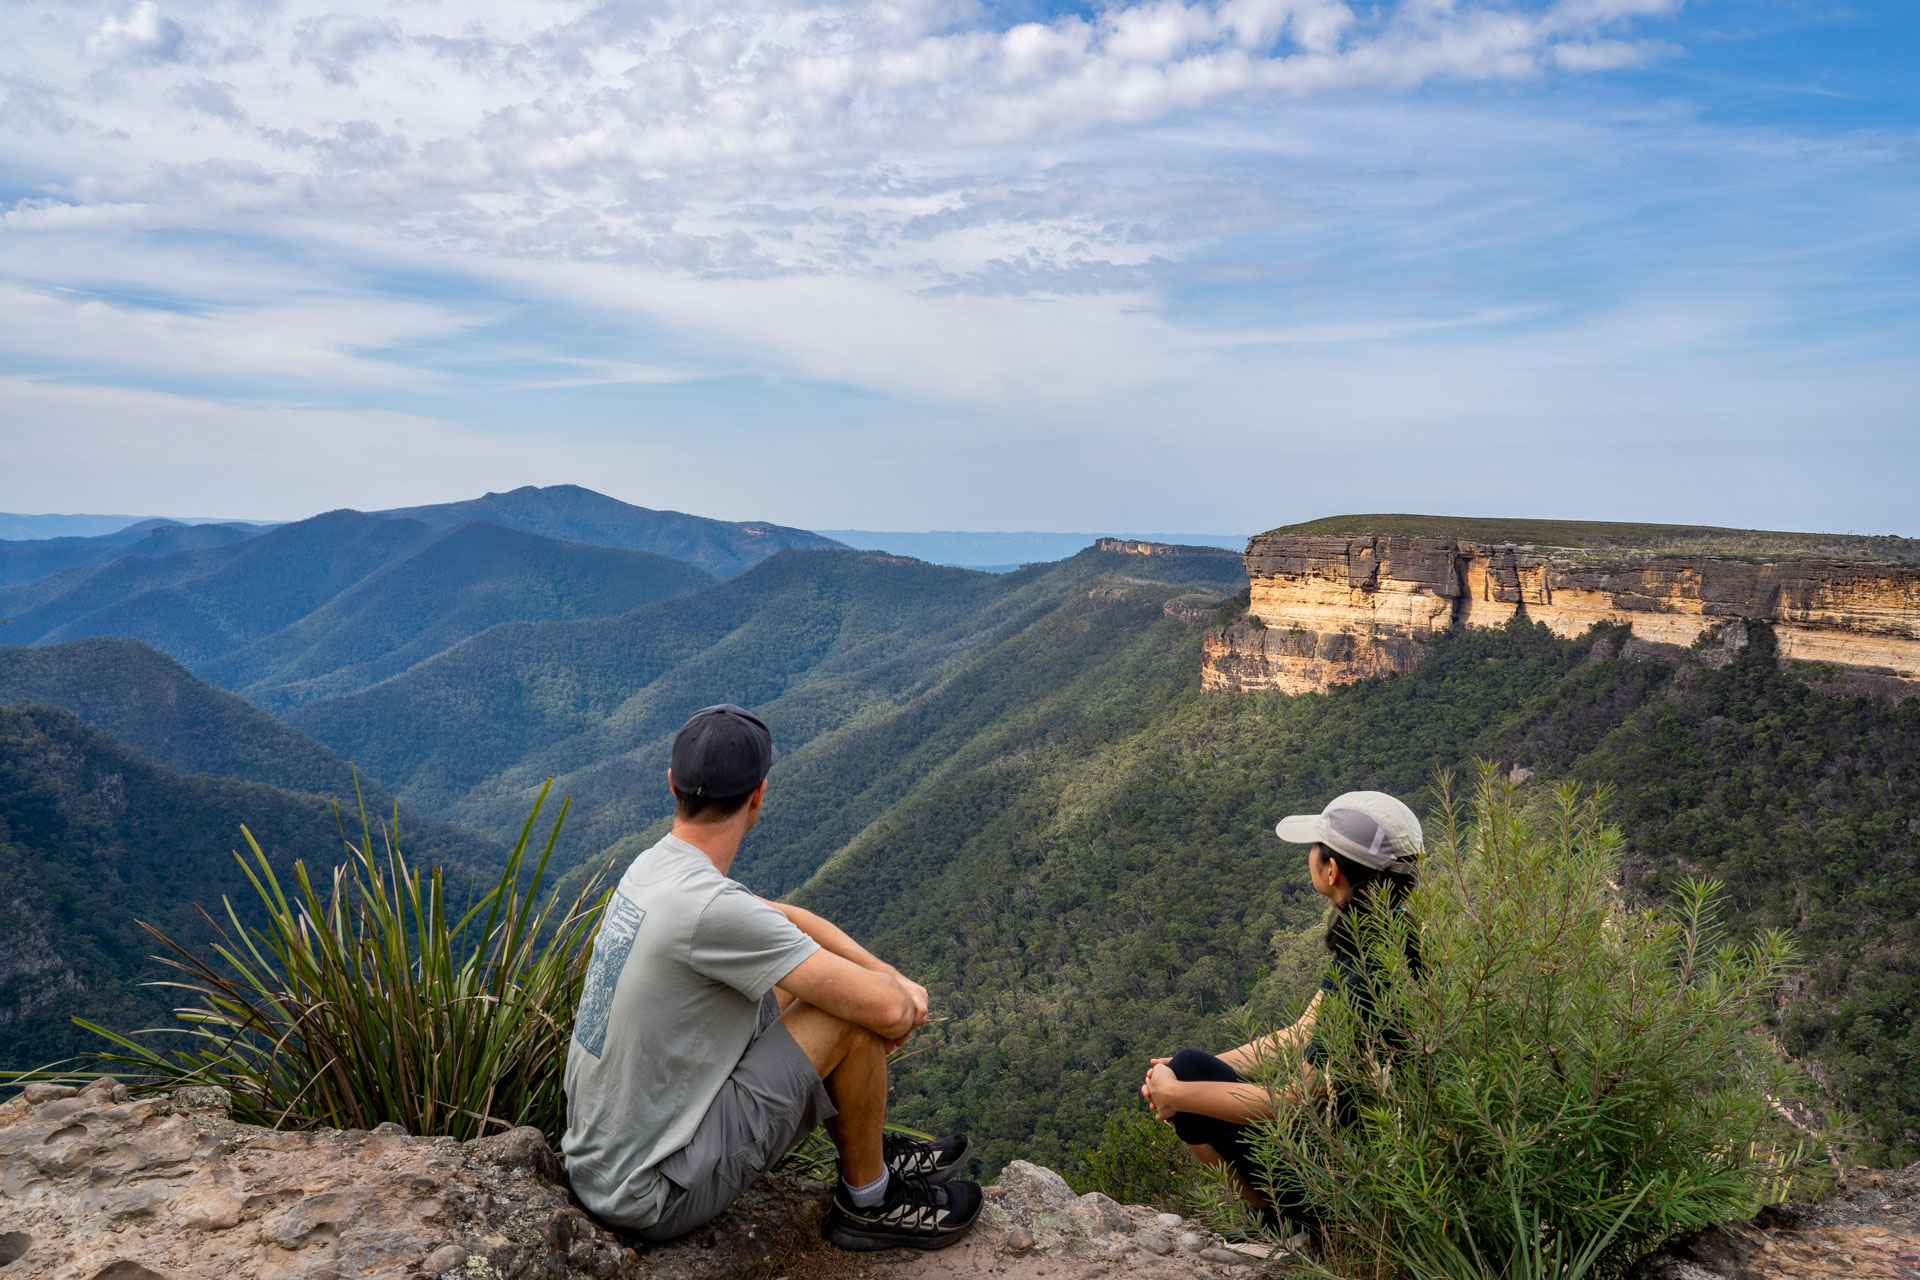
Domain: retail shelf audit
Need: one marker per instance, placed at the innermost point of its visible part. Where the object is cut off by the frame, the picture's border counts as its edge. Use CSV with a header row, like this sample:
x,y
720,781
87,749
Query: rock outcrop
x,y
1871,1228
97,1185
1136,547
1325,611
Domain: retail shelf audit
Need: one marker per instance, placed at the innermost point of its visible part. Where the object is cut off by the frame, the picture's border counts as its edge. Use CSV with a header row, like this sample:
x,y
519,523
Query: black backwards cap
x,y
721,752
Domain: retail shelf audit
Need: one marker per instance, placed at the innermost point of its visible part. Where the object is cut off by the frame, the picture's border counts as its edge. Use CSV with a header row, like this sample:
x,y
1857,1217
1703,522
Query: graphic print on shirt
x,y
618,928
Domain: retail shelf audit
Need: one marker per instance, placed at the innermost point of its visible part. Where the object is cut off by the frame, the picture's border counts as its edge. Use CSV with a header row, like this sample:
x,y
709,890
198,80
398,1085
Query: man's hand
x,y
918,995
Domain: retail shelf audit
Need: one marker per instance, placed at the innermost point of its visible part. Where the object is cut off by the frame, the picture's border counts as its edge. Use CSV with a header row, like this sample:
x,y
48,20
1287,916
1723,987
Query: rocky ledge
x,y
98,1185
1871,1228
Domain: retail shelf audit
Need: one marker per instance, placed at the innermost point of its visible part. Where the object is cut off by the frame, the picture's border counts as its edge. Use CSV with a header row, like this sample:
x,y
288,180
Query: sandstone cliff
x,y
1327,610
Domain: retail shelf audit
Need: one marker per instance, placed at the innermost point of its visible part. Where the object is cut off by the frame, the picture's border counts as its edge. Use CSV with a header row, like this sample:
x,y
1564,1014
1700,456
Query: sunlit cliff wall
x,y
1330,610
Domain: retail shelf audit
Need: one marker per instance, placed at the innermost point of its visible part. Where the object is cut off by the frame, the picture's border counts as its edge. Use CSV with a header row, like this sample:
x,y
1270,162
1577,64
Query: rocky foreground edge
x,y
98,1185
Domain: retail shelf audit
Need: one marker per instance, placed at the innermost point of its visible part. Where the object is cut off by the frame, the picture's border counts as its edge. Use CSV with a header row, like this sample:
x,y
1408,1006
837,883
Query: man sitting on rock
x,y
716,1029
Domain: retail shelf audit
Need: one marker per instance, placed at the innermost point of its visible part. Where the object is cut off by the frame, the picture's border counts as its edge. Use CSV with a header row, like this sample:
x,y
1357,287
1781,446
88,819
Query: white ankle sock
x,y
870,1195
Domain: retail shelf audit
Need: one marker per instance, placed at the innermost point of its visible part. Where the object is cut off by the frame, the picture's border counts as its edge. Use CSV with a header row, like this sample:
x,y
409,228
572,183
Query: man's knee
x,y
829,1041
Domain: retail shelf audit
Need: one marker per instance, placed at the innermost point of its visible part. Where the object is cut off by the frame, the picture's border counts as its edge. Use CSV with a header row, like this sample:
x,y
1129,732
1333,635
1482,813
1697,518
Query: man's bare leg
x,y
1205,1154
853,1062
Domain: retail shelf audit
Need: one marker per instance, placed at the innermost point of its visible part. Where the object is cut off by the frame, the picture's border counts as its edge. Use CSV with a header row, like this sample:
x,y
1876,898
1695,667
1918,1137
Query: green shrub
x,y
1567,1082
1139,1160
370,1004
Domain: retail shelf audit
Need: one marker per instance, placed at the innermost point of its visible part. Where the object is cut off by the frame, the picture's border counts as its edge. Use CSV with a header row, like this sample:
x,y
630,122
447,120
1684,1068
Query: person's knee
x,y
829,1041
1193,1064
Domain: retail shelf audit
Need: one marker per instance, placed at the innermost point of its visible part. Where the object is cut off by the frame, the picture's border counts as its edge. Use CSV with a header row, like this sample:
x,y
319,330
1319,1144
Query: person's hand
x,y
1159,1090
919,996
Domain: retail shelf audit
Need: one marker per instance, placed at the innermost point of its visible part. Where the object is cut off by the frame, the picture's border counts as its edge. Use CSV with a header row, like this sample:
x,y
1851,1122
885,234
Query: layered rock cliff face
x,y
1325,611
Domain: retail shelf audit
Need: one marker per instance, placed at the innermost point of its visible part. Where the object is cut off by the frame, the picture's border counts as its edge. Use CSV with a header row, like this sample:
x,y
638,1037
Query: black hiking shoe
x,y
915,1214
936,1161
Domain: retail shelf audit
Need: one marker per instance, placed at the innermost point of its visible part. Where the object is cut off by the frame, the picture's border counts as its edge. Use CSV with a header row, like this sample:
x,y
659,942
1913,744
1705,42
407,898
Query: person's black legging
x,y
1232,1141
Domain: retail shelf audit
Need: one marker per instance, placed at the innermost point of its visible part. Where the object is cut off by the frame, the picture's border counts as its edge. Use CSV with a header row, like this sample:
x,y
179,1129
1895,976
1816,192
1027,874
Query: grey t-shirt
x,y
671,1001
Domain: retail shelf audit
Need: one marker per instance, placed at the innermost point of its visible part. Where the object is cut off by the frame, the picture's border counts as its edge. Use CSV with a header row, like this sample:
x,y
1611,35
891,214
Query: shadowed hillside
x,y
197,605
149,703
475,576
814,641
94,837
338,602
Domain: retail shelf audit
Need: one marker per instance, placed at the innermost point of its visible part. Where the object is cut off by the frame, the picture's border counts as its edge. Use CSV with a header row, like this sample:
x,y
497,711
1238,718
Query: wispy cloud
x,y
1307,216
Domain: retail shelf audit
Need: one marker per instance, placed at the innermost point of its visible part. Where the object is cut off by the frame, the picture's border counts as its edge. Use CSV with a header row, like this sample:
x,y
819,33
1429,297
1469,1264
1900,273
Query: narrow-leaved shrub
x,y
371,1004
1561,1079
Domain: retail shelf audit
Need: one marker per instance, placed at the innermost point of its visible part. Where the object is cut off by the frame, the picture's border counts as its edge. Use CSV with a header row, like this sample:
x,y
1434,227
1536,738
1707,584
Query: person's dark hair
x,y
1366,881
688,807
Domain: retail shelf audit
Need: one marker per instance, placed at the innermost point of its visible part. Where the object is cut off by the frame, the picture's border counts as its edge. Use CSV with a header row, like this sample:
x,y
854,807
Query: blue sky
x,y
1207,266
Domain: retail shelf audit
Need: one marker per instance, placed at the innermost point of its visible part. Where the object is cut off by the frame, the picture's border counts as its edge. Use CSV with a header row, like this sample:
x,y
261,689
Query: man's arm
x,y
832,938
870,998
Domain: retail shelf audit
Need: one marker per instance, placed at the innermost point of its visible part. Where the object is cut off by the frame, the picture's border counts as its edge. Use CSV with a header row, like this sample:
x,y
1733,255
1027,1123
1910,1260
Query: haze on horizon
x,y
942,264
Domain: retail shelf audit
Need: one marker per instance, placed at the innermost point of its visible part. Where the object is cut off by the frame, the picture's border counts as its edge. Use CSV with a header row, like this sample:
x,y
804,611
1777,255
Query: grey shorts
x,y
773,1099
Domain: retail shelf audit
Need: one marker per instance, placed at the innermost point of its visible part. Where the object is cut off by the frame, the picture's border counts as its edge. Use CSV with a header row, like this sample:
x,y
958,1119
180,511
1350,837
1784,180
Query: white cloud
x,y
315,339
151,451
1225,212
334,43
144,34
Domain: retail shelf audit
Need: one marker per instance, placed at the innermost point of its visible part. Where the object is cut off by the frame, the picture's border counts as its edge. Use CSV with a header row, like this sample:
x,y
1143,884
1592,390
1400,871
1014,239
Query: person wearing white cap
x,y
1362,843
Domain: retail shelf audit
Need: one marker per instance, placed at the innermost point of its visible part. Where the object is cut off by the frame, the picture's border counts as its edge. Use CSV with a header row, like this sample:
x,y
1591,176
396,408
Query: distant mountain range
x,y
330,605
28,561
570,513
17,527
1012,784
815,641
1002,552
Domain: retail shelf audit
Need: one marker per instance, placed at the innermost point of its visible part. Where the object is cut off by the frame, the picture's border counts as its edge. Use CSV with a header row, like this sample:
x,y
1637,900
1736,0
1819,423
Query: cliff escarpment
x,y
1325,610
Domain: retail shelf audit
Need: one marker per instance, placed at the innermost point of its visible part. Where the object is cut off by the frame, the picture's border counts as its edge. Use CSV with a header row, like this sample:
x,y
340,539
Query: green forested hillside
x,y
148,702
475,576
93,837
816,641
197,605
27,561
1014,786
1094,877
335,603
573,514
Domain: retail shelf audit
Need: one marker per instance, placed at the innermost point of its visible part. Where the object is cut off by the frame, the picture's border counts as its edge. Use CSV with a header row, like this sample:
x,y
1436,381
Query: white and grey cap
x,y
1371,827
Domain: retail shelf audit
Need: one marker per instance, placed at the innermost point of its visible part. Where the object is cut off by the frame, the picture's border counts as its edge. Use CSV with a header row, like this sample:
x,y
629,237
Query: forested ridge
x,y
1099,880
819,642
95,838
148,702
1015,787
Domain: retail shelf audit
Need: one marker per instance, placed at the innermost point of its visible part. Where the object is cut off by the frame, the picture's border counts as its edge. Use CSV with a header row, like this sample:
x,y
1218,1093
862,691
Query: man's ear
x,y
759,796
